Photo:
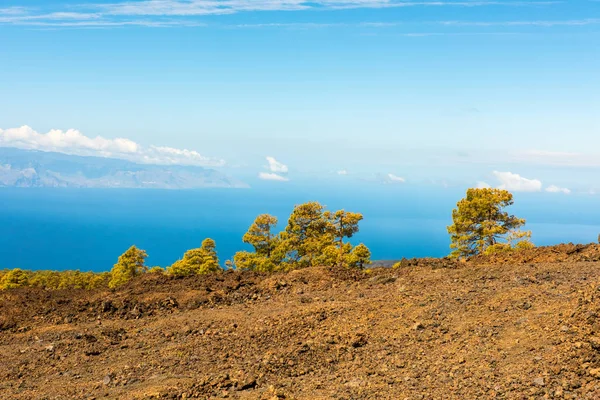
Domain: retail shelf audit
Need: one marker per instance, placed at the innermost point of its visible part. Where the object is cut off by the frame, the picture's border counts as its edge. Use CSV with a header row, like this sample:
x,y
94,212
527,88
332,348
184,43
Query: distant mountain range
x,y
27,168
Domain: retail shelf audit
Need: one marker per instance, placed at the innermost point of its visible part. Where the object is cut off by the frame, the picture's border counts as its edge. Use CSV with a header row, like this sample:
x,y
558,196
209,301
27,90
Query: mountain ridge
x,y
33,168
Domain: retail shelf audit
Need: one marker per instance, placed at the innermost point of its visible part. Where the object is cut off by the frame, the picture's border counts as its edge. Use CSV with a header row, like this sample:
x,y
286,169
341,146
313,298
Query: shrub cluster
x,y
53,279
312,237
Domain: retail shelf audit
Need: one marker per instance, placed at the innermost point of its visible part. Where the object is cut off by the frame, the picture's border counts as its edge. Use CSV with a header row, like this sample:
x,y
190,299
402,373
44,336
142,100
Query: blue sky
x,y
447,93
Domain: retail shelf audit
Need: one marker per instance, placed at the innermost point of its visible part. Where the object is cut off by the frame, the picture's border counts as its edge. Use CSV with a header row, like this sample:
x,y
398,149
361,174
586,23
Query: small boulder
x,y
107,380
539,381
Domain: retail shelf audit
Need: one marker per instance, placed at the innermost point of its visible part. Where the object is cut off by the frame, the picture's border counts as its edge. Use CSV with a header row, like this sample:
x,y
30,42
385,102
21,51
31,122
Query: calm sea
x,y
87,229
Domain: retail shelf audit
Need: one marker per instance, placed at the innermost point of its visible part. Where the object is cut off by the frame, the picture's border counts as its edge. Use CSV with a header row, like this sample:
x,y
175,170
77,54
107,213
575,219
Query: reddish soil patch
x,y
525,326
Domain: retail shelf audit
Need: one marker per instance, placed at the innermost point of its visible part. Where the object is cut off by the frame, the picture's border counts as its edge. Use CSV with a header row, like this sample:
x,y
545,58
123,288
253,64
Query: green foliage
x,y
343,224
14,279
244,260
515,241
129,265
260,235
498,248
198,261
312,237
359,257
3,273
265,243
524,245
54,280
308,233
481,226
520,240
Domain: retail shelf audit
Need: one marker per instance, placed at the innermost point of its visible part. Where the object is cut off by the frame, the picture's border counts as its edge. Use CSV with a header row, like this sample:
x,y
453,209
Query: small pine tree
x,y
342,224
360,256
260,234
198,261
130,264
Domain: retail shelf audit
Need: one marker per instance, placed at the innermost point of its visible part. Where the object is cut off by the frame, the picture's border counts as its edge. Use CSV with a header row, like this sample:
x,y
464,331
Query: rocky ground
x,y
515,327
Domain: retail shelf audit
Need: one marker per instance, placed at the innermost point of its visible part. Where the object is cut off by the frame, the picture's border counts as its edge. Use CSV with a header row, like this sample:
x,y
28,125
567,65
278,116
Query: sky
x,y
453,93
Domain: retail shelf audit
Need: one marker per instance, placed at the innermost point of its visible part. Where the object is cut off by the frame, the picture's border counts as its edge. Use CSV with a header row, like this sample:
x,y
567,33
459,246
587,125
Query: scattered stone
x,y
418,326
248,384
595,372
107,379
539,381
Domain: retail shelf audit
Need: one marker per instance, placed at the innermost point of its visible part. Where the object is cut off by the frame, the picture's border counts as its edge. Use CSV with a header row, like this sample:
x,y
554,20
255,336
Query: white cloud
x,y
13,10
395,178
203,7
276,166
342,172
74,142
269,176
517,183
556,189
483,185
165,13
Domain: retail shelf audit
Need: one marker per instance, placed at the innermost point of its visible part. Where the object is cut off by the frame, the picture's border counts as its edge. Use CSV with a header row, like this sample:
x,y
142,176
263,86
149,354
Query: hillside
x,y
27,168
513,327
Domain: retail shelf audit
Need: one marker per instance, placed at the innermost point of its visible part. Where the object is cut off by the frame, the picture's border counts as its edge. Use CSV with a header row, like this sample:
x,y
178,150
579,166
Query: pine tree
x,y
480,224
342,224
130,264
360,256
308,234
260,235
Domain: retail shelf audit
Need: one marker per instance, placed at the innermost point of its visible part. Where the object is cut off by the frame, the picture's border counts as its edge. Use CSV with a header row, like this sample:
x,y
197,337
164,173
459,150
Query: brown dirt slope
x,y
525,328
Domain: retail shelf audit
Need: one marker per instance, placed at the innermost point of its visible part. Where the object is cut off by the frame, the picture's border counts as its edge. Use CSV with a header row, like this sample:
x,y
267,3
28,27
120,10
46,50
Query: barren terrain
x,y
514,327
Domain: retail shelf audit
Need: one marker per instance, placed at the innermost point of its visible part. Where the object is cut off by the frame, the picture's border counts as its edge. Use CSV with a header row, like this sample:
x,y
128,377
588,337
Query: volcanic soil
x,y
510,327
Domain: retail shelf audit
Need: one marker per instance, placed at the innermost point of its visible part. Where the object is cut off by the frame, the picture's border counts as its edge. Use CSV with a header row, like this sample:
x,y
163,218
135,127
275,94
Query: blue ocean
x,y
88,229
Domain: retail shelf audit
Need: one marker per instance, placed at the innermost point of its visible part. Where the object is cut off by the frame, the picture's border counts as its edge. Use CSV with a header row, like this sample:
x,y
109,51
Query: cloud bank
x,y
277,171
74,142
276,166
556,189
517,183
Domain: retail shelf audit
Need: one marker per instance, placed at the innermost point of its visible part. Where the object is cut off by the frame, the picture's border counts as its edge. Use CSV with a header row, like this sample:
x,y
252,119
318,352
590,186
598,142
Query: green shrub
x,y
15,278
130,264
198,261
